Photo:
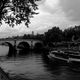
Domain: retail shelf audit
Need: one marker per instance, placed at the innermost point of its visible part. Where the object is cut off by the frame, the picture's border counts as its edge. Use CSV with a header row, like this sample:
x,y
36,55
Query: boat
x,y
58,56
74,61
72,58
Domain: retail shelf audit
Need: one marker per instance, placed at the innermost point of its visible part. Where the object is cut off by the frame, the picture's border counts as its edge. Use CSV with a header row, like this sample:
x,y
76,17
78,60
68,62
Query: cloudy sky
x,y
62,13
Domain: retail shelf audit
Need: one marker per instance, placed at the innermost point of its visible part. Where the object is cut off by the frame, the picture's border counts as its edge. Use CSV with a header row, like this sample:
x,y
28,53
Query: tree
x,y
17,11
69,33
53,35
72,33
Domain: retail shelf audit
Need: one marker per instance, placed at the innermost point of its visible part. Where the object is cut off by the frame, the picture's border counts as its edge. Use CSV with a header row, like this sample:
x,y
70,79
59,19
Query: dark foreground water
x,y
36,67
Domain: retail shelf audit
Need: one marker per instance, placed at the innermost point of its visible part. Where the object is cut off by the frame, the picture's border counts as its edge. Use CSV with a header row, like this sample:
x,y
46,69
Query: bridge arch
x,y
23,47
12,50
38,46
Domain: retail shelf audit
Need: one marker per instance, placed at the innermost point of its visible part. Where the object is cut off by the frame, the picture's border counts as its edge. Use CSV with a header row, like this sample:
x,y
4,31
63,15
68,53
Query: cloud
x,y
49,6
71,9
6,31
62,13
50,14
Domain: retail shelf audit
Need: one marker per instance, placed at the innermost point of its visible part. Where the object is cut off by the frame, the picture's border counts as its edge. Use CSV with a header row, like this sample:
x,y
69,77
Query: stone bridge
x,y
15,44
31,42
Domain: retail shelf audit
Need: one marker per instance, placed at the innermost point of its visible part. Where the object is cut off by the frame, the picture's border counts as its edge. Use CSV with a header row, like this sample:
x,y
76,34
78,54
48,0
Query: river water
x,y
34,66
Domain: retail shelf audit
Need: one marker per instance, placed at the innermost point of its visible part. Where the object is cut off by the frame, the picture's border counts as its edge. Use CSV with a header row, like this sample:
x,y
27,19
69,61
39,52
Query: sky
x,y
61,13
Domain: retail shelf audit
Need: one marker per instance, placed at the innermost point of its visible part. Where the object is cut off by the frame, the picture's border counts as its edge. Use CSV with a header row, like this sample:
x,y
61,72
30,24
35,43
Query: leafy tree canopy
x,y
17,11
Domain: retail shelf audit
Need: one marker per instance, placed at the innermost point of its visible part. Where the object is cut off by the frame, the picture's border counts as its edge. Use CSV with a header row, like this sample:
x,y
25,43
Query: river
x,y
34,66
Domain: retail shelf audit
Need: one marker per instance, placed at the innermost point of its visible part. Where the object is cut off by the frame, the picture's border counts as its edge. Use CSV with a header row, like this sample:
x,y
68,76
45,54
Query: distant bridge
x,y
15,44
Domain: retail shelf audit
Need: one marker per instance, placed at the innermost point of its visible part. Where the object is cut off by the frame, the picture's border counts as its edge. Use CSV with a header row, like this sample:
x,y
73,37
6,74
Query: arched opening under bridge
x,y
38,47
23,47
12,50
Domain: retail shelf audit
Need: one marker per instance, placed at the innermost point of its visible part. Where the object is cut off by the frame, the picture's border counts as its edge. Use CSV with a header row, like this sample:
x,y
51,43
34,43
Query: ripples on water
x,y
36,67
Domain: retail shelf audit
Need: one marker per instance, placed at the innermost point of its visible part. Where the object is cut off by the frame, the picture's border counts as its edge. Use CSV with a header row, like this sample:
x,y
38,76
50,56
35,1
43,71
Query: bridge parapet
x,y
31,42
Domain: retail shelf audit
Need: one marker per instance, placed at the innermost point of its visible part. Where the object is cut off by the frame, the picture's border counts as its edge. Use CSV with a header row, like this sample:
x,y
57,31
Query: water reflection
x,y
61,72
35,66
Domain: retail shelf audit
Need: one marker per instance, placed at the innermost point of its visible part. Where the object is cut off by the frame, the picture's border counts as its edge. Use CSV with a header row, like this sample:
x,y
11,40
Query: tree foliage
x,y
53,35
72,33
17,11
57,35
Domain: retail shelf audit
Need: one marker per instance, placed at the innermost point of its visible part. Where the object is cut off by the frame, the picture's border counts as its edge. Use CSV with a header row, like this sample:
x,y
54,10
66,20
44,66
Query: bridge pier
x,y
12,49
15,49
31,44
